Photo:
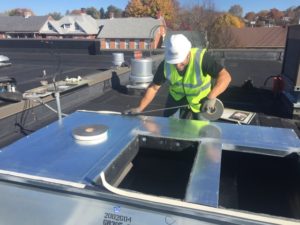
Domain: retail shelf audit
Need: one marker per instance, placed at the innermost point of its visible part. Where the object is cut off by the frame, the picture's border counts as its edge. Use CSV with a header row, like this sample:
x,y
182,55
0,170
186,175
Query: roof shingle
x,y
129,27
259,37
22,24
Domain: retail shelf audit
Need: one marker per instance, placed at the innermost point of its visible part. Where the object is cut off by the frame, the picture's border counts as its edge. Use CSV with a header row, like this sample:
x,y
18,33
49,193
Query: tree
x,y
135,8
102,13
117,13
263,14
20,12
228,20
220,35
191,19
152,8
196,17
250,16
275,14
55,15
236,10
163,7
93,12
262,18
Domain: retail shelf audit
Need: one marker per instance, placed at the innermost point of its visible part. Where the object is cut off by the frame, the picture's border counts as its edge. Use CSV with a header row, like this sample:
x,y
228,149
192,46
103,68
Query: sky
x,y
40,7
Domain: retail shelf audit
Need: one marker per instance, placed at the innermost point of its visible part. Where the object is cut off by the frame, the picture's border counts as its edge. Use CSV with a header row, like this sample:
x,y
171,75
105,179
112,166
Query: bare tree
x,y
55,15
197,17
236,10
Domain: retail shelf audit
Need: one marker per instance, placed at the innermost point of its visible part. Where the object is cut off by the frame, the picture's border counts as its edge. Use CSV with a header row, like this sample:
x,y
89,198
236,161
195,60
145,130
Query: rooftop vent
x,y
118,59
141,72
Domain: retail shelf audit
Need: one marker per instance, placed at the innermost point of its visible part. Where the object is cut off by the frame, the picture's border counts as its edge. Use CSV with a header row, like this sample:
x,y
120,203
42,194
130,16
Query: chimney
x,y
111,15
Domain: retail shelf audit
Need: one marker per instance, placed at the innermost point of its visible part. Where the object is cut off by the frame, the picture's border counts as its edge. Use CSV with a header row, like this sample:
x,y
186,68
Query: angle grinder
x,y
214,114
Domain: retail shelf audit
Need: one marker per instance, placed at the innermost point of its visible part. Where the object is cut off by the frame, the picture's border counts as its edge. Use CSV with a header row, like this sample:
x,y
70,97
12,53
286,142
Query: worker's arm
x,y
149,96
222,81
151,91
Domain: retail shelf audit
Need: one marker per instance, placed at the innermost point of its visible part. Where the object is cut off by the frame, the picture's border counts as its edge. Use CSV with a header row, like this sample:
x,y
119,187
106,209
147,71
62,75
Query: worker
x,y
189,72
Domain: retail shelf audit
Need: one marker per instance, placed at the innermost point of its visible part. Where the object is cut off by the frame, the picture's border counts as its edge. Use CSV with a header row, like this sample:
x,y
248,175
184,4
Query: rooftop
x,y
139,164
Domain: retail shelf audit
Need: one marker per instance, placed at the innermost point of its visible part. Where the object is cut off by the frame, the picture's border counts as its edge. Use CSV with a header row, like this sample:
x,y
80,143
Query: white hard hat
x,y
177,49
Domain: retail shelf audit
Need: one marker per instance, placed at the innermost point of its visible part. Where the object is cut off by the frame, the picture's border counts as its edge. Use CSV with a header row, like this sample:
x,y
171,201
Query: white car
x,y
4,61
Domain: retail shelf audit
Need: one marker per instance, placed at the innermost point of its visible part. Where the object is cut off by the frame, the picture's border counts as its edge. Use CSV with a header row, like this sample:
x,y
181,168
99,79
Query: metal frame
x,y
49,175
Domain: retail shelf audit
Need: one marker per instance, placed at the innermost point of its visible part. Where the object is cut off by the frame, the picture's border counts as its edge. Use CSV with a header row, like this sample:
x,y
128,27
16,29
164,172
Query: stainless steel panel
x,y
31,206
254,139
203,187
52,151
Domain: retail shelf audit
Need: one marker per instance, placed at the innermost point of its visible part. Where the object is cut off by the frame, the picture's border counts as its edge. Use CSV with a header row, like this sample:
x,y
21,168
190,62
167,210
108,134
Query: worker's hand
x,y
132,111
208,104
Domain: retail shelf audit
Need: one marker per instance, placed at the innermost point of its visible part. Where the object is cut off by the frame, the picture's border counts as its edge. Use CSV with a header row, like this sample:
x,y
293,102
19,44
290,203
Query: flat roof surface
x,y
27,69
27,66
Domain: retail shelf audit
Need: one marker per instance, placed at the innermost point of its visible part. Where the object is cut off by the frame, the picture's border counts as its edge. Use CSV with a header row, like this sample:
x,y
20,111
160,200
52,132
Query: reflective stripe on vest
x,y
194,85
206,86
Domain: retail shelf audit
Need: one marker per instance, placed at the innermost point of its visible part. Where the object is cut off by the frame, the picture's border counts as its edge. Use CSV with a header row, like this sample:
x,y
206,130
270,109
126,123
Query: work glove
x,y
208,105
132,111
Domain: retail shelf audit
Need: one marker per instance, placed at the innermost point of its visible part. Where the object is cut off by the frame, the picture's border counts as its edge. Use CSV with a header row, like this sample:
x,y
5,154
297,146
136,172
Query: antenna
x,y
53,52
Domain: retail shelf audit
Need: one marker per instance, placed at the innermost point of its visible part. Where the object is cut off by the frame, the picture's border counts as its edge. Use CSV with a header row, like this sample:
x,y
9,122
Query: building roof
x,y
79,24
22,24
259,37
129,27
87,23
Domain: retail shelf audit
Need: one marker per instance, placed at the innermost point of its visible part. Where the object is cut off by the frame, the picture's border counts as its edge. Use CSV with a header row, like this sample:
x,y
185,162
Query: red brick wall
x,y
142,44
122,43
131,43
112,43
102,43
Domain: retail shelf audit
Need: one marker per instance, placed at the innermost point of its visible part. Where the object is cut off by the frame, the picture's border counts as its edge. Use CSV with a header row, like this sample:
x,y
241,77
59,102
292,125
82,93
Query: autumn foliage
x,y
219,33
152,8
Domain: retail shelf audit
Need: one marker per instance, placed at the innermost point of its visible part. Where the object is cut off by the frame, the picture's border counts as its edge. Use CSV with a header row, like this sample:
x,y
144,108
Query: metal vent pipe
x,y
141,71
118,59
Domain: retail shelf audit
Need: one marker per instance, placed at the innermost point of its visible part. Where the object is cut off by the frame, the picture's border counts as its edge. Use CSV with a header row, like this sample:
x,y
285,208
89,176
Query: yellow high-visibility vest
x,y
194,85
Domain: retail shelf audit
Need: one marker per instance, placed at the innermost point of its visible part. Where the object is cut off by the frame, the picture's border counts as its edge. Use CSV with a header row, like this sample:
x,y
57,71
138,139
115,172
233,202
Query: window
x,y
66,26
50,27
77,27
136,44
117,43
107,41
147,44
126,44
